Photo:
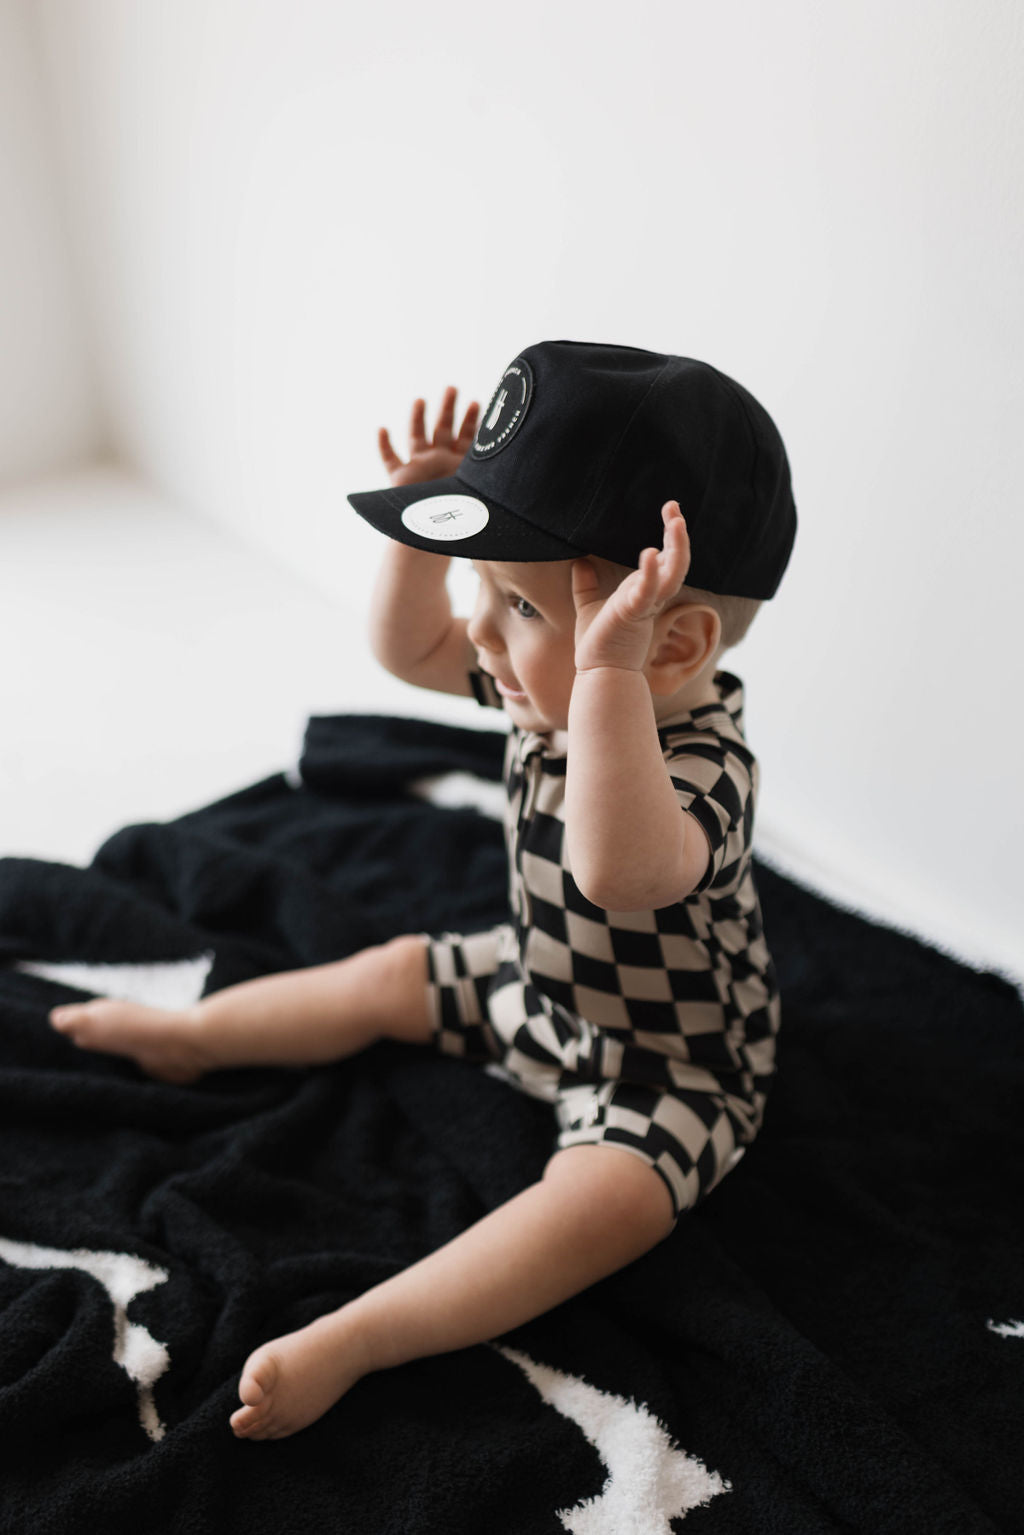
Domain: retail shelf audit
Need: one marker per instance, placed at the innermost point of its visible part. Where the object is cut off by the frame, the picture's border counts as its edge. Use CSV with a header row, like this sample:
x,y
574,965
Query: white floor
x,y
153,663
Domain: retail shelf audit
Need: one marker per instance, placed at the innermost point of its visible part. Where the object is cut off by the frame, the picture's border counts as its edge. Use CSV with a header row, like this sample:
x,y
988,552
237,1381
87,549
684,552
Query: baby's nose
x,y
482,632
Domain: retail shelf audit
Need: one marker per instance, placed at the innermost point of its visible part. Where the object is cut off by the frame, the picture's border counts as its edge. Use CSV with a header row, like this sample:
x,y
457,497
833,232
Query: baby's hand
x,y
617,630
430,460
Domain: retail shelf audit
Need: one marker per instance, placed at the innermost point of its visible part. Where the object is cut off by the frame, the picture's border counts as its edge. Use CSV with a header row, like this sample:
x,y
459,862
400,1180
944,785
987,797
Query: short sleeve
x,y
716,782
484,690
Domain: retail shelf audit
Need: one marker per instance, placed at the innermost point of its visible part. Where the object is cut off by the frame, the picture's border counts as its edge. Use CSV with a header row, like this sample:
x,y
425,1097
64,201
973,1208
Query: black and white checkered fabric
x,y
651,1030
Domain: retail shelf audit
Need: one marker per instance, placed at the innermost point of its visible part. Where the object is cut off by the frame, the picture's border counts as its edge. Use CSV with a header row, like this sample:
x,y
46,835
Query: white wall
x,y
48,418
294,214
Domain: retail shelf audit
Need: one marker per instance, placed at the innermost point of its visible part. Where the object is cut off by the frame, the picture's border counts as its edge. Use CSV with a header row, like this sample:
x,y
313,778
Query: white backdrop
x,y
48,403
292,215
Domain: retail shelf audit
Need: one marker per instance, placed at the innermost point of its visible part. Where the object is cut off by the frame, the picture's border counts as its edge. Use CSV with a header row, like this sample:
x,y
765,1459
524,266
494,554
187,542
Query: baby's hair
x,y
736,613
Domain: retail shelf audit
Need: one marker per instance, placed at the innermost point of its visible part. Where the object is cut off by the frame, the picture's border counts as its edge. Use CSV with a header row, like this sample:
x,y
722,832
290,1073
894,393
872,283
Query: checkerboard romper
x,y
653,1031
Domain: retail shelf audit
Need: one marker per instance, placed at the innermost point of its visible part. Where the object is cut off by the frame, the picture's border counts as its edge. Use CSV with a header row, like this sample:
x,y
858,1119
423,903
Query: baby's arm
x,y
631,846
413,632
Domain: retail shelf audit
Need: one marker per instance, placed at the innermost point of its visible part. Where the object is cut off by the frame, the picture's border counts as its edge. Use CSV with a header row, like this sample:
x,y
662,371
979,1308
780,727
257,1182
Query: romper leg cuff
x,y
691,1139
460,970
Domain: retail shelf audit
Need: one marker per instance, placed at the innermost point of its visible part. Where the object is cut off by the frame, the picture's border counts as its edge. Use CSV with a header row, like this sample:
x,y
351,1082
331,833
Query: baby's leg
x,y
595,1210
299,1018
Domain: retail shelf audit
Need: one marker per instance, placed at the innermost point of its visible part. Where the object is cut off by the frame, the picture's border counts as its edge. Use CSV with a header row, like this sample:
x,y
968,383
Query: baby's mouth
x,y
514,695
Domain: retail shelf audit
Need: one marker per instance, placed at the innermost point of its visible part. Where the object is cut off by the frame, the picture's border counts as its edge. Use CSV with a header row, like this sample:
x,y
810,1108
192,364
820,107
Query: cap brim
x,y
503,537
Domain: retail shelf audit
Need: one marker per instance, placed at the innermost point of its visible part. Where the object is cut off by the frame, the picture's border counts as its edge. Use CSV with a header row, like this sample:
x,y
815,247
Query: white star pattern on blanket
x,y
1007,1329
124,1276
650,1480
174,983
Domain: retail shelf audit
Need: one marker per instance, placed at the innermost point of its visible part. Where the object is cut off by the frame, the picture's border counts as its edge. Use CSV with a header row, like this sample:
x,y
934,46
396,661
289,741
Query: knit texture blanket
x,y
833,1343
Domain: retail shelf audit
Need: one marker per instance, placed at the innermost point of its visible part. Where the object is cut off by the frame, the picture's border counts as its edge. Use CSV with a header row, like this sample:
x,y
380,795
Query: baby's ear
x,y
685,639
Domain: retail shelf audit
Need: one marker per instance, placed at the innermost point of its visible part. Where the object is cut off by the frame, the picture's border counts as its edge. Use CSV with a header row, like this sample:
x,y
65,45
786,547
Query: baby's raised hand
x,y
617,630
430,458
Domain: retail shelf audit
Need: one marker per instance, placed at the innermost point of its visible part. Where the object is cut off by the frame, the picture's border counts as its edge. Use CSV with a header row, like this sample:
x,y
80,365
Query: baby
x,y
632,987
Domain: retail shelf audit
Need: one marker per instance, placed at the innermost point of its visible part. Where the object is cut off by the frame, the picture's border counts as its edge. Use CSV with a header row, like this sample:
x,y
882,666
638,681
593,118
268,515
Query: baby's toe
x,y
77,1027
85,1023
68,1017
255,1419
269,1428
247,1422
259,1377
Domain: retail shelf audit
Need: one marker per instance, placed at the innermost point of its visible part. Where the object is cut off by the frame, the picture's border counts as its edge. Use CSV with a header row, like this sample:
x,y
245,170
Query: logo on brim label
x,y
506,410
446,519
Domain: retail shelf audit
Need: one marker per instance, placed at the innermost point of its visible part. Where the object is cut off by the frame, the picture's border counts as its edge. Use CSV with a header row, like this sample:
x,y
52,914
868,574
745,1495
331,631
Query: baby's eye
x,y
523,608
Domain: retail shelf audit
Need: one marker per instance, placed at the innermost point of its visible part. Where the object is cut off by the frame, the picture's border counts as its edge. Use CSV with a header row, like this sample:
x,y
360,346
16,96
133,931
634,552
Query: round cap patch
x,y
446,519
506,410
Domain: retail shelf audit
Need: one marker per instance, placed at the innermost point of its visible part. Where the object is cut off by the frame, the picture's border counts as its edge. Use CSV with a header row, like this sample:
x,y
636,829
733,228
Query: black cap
x,y
578,450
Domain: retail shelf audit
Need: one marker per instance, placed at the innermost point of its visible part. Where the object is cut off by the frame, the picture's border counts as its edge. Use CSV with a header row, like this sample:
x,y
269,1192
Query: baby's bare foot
x,y
291,1381
165,1044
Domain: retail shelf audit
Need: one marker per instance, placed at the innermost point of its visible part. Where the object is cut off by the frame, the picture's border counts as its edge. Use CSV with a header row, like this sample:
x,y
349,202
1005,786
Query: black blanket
x,y
832,1343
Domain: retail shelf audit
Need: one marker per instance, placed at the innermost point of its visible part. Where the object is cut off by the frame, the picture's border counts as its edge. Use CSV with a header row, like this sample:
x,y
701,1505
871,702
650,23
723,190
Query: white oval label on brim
x,y
446,518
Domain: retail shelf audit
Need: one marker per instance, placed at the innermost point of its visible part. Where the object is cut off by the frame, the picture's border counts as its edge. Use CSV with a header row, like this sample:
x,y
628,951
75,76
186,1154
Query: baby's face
x,y
523,630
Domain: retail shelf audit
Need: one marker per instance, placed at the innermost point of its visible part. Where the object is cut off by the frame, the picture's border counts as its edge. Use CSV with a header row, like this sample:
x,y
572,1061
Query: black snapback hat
x,y
576,453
